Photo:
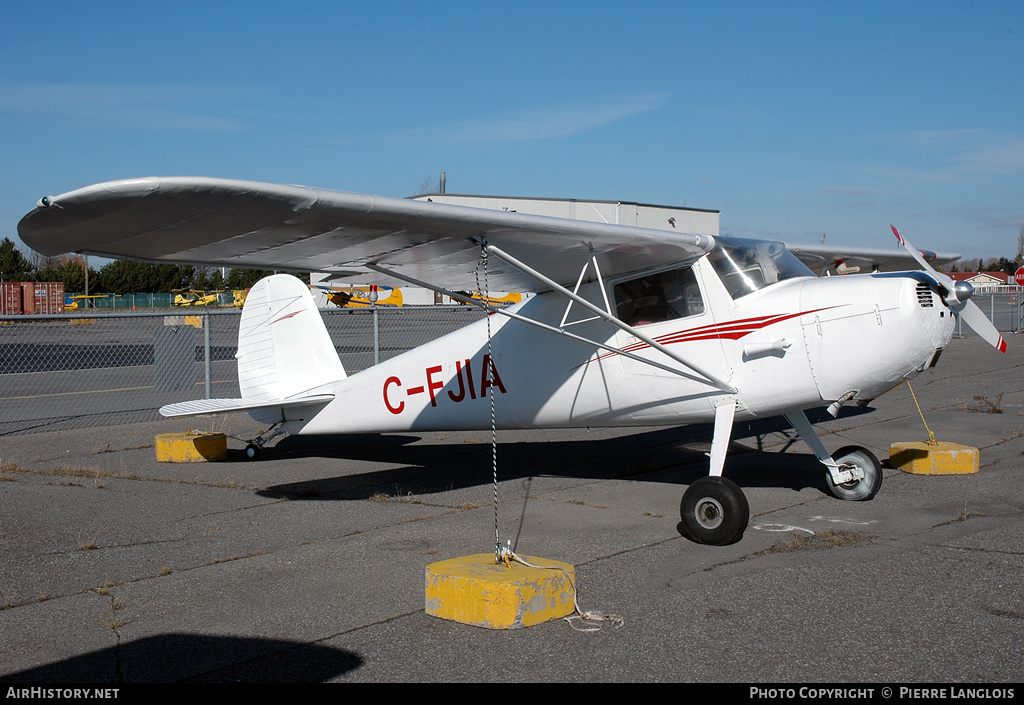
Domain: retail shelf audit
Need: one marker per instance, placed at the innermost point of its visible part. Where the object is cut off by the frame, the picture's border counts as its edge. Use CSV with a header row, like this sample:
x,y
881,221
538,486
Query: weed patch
x,y
820,540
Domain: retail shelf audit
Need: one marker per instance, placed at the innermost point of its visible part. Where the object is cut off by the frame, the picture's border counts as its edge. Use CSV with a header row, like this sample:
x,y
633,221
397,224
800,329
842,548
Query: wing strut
x,y
709,378
704,377
576,290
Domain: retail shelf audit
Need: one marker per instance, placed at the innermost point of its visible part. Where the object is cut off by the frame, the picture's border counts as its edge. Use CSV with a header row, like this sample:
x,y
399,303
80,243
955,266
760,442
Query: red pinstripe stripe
x,y
732,330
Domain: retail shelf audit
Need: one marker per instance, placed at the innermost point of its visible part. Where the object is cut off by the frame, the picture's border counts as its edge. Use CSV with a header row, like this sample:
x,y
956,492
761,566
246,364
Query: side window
x,y
658,297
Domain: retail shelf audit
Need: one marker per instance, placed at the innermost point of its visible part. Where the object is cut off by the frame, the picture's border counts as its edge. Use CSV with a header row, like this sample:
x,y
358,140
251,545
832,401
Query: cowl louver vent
x,y
924,295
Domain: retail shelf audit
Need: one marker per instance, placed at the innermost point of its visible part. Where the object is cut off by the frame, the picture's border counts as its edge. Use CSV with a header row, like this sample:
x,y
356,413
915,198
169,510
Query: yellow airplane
x,y
195,297
512,298
359,296
71,302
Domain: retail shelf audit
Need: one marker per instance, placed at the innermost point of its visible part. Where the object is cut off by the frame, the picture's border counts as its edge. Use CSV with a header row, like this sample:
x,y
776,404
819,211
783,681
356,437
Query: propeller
x,y
957,295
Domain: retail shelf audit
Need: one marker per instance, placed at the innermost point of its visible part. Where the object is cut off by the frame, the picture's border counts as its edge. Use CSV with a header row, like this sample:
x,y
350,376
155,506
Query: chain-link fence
x,y
1003,308
101,369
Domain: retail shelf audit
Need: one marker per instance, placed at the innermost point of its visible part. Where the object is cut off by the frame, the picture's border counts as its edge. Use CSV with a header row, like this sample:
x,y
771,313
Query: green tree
x,y
71,271
127,277
215,280
245,278
173,276
13,265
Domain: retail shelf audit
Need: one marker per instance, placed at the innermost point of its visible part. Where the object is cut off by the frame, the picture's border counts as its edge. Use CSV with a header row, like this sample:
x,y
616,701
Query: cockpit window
x,y
658,297
745,266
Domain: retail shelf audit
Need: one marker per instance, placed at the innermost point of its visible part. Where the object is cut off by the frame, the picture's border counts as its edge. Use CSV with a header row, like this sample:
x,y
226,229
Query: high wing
x,y
222,222
822,259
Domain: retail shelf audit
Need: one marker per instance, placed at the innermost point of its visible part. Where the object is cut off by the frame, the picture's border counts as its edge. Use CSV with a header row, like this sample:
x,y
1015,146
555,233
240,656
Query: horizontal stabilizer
x,y
221,406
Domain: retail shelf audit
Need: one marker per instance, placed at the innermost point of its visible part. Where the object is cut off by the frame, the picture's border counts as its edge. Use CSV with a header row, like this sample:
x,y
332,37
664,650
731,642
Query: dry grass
x,y
822,539
986,405
65,471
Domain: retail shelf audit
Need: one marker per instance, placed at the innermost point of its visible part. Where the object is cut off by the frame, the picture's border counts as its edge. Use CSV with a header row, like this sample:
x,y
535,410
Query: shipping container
x,y
49,297
10,298
42,298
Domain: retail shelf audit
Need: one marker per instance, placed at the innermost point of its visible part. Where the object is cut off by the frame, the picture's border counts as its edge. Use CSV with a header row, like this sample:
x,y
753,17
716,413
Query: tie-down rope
x,y
508,555
931,436
486,293
505,554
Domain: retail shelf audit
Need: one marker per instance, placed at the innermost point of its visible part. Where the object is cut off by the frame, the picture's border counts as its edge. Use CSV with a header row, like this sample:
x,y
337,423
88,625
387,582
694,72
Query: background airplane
x,y
195,297
72,303
359,296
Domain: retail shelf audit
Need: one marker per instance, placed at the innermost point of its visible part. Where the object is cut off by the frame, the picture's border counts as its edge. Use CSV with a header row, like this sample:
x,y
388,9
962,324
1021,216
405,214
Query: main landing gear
x,y
714,509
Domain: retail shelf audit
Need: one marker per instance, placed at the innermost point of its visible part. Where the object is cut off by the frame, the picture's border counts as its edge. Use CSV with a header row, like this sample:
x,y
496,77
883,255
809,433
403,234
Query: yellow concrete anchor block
x,y
191,447
474,590
940,458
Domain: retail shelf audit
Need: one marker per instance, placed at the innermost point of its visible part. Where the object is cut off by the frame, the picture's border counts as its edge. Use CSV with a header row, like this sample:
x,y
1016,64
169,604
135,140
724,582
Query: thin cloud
x,y
1005,158
542,123
974,150
860,193
992,217
852,198
159,107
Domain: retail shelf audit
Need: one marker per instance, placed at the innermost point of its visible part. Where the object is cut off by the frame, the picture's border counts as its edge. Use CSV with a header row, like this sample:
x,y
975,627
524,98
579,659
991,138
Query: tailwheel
x,y
862,489
714,511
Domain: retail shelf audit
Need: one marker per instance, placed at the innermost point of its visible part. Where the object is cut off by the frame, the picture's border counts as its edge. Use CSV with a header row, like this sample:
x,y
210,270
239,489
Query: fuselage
x,y
795,344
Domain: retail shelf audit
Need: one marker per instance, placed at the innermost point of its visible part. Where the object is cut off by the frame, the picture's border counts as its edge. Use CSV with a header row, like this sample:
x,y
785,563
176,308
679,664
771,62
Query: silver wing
x,y
822,259
195,220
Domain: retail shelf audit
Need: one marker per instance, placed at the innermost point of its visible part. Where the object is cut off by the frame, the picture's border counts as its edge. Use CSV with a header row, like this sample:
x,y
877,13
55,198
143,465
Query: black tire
x,y
252,451
714,511
858,490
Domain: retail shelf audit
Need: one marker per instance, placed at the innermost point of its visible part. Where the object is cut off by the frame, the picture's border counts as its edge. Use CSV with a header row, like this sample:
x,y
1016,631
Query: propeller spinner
x,y
957,296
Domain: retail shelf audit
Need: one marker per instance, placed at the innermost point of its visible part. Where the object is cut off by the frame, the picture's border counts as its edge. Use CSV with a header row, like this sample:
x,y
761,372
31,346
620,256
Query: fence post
x,y
376,325
1020,309
206,350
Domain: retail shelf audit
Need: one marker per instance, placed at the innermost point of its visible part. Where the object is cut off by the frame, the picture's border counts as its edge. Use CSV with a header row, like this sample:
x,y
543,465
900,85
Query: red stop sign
x,y
1018,276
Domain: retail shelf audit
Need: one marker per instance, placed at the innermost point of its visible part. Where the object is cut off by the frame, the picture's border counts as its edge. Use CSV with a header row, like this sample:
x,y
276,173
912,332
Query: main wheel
x,y
714,511
857,490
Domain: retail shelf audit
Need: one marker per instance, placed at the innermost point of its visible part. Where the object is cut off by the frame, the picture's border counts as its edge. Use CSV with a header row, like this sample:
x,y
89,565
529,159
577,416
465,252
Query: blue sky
x,y
793,119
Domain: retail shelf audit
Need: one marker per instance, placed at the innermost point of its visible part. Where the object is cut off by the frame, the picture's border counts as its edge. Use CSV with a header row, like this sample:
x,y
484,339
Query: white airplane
x,y
629,326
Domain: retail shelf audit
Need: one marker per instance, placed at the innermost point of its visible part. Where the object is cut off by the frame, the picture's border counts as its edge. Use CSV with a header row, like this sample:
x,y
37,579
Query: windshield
x,y
745,266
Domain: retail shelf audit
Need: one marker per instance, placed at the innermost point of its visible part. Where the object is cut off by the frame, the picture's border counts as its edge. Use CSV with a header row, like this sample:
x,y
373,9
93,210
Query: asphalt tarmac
x,y
308,565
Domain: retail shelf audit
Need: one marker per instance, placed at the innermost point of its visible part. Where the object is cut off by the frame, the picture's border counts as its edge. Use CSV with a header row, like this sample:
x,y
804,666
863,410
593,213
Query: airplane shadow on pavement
x,y
173,658
673,455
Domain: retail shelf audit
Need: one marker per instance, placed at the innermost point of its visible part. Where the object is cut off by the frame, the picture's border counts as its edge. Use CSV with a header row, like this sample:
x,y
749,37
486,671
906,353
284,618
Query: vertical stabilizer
x,y
284,349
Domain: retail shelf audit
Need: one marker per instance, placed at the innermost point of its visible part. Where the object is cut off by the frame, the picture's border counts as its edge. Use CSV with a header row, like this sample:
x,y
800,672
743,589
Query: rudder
x,y
284,348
